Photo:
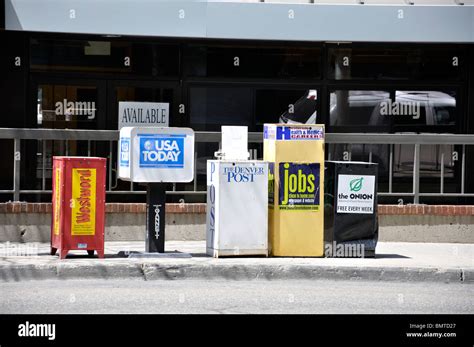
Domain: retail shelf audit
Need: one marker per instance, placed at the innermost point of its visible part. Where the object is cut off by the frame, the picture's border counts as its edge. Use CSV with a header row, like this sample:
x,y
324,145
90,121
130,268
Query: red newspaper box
x,y
78,216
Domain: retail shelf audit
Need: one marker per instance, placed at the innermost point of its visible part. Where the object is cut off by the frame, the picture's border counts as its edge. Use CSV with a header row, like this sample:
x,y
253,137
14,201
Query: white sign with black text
x,y
355,194
143,114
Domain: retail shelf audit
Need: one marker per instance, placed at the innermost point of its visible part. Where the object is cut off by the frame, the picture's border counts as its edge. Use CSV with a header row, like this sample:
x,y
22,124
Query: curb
x,y
153,271
298,272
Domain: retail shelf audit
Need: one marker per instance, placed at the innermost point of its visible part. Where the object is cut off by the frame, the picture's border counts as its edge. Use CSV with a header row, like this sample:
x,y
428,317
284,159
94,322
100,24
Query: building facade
x,y
383,67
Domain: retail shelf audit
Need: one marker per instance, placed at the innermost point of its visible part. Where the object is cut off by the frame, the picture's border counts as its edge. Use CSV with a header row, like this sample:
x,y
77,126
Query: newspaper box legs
x,y
78,205
296,189
155,219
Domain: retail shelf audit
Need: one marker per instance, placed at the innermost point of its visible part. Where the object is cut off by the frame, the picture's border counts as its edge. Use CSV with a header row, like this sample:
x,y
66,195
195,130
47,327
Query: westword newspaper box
x,y
296,189
78,205
237,194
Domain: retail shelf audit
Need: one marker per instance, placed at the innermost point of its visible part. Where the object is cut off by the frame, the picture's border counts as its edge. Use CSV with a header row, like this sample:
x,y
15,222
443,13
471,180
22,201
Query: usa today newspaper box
x,y
156,155
351,219
296,190
78,205
237,194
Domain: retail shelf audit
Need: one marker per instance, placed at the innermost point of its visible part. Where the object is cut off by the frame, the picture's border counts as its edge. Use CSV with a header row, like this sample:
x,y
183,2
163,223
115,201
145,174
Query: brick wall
x,y
434,210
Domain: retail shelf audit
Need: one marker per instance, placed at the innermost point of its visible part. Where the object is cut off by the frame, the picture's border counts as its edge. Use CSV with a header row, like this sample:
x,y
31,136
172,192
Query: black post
x,y
155,222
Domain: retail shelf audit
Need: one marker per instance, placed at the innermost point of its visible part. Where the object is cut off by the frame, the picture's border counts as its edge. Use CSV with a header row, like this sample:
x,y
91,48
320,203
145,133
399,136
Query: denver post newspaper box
x,y
296,188
78,205
237,194
351,219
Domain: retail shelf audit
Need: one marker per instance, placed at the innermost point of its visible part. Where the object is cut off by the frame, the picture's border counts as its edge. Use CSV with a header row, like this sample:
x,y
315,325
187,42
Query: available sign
x,y
143,114
355,194
299,186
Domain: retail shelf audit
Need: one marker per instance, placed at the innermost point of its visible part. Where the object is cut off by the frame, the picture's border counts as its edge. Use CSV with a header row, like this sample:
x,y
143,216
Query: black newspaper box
x,y
350,218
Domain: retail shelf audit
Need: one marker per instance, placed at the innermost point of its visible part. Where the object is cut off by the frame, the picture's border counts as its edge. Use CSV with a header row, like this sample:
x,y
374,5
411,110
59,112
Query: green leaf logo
x,y
356,184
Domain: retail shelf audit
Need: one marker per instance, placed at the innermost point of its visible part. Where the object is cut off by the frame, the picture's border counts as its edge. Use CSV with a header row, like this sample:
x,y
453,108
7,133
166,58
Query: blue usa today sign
x,y
161,151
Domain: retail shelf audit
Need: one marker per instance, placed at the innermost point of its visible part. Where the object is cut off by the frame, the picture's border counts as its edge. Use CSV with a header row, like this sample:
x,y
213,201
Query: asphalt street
x,y
219,296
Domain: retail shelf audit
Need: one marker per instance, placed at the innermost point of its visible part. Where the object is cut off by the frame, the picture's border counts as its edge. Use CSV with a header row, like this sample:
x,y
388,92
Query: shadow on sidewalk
x,y
391,256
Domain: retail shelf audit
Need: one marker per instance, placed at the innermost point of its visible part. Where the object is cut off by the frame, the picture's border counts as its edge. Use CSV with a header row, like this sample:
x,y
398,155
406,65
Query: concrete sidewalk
x,y
395,261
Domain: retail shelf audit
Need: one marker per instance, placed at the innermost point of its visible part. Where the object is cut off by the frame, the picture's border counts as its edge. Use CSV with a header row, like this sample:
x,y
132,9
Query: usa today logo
x,y
161,151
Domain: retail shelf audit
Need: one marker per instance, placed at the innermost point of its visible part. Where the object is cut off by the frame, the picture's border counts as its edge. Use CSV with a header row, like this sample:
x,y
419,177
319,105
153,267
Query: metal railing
x,y
347,140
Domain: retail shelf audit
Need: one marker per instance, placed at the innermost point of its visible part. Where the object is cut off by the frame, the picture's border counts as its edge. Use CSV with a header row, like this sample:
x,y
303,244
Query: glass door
x,y
63,103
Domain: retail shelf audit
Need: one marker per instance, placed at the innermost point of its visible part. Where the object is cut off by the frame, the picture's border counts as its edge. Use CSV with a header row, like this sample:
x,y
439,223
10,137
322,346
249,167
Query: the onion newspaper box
x,y
351,219
78,205
296,189
237,194
156,156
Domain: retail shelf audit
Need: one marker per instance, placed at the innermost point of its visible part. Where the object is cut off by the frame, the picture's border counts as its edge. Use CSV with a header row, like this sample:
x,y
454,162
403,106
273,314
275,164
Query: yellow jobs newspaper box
x,y
296,189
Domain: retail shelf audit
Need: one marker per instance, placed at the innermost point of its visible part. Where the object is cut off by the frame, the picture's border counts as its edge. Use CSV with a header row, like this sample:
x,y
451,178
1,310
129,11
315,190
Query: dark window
x,y
212,107
2,15
396,111
425,111
396,63
358,110
283,106
64,107
393,111
67,106
253,62
105,57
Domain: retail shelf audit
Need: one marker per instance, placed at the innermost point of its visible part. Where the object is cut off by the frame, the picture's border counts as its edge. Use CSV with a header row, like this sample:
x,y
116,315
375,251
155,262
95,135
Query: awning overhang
x,y
241,20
